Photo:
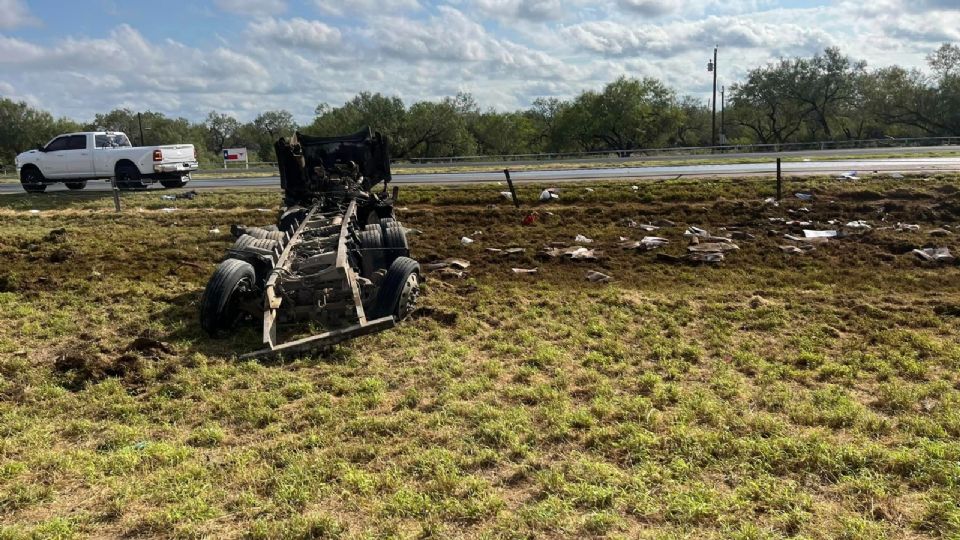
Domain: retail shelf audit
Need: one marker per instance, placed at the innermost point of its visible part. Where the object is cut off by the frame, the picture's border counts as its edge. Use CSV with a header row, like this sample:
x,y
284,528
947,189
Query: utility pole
x,y
712,66
723,106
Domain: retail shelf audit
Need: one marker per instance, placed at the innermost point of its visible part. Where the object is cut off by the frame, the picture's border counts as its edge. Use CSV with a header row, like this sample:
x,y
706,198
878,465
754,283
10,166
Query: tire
x,y
386,222
173,183
220,306
129,177
76,185
32,180
399,291
294,214
395,244
371,252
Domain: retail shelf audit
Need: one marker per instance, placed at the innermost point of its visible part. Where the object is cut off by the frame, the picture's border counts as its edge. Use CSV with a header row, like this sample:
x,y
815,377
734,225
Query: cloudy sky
x,y
184,58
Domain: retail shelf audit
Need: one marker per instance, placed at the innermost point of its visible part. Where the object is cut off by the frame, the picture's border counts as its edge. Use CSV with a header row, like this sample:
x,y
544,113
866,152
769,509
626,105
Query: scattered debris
x,y
549,194
575,252
588,190
707,257
507,195
804,196
906,227
852,175
648,243
939,232
34,211
795,223
664,223
771,200
461,264
466,241
530,219
695,231
168,210
524,270
858,224
627,222
741,235
712,247
896,175
214,230
807,233
263,210
598,277
507,251
938,255
635,188
581,239
190,195
798,250
168,197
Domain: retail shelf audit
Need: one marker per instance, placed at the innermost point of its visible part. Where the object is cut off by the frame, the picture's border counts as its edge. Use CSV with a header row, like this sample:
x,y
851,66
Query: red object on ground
x,y
531,217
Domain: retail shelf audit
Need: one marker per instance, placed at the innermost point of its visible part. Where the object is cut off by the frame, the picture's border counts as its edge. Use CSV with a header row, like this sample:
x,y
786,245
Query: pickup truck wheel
x,y
221,306
399,291
32,180
173,183
395,243
129,177
76,185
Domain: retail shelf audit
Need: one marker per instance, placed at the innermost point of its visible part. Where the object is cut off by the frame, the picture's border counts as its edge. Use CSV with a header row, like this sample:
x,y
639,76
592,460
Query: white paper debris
x,y
858,224
819,234
215,230
906,227
851,175
466,241
581,239
506,195
168,197
588,190
524,270
635,188
34,211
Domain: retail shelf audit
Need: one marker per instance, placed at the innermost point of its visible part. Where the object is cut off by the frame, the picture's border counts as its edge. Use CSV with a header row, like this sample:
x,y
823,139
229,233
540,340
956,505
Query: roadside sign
x,y
234,155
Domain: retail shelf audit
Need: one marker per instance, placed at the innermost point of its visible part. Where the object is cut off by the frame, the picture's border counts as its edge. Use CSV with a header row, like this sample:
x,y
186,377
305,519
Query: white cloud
x,y
252,7
295,32
649,8
365,8
532,10
14,14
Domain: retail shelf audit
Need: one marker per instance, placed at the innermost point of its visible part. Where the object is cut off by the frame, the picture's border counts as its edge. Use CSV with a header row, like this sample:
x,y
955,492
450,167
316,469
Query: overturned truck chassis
x,y
337,258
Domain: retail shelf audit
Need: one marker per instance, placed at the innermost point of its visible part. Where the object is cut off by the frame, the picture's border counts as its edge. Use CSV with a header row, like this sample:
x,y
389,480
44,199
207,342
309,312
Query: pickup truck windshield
x,y
113,140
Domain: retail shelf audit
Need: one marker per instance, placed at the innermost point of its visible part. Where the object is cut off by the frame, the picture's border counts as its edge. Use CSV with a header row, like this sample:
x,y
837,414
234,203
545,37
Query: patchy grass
x,y
770,396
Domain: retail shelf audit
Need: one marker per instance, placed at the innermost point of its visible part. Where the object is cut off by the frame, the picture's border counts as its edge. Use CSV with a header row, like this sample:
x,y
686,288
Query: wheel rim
x,y
408,296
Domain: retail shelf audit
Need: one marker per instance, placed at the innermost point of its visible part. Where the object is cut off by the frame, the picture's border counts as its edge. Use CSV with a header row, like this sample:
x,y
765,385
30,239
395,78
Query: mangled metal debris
x,y
646,244
336,258
461,264
936,255
598,277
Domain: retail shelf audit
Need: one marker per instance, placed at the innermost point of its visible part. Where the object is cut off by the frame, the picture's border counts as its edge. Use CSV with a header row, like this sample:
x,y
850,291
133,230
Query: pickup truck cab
x,y
75,158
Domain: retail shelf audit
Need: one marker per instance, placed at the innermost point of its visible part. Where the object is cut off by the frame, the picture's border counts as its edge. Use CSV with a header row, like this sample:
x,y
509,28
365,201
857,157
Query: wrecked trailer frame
x,y
336,258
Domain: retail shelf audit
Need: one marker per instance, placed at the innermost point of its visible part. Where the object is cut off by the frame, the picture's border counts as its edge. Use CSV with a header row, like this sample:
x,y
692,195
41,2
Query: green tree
x,y
221,129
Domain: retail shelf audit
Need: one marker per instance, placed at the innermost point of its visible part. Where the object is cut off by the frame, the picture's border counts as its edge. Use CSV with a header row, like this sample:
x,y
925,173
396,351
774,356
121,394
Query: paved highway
x,y
862,166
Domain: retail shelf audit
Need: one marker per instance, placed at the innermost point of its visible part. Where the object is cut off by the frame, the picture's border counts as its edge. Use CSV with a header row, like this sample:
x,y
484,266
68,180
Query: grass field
x,y
769,396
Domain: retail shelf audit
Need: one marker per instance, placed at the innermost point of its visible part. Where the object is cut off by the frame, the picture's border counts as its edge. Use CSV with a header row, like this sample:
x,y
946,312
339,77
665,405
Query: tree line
x,y
828,96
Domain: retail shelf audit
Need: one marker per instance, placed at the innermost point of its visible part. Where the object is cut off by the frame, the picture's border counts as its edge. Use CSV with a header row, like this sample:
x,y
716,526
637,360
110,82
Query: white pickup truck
x,y
74,158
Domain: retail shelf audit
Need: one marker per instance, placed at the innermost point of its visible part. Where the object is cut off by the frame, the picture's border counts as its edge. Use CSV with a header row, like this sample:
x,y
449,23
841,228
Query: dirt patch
x,y
90,361
445,318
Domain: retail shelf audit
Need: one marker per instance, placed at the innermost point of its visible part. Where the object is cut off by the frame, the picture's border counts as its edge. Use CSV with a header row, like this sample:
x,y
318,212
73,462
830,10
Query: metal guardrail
x,y
700,150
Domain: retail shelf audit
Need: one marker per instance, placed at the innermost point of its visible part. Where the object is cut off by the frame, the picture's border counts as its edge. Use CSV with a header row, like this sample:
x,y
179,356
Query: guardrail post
x,y
779,182
116,193
513,192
